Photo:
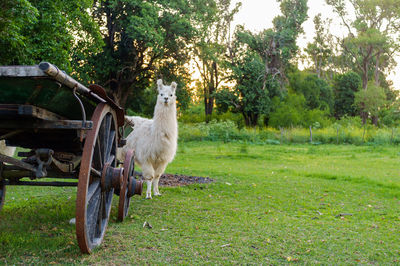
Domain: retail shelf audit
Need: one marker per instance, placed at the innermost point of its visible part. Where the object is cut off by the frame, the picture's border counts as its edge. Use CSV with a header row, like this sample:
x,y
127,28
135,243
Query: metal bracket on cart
x,y
43,158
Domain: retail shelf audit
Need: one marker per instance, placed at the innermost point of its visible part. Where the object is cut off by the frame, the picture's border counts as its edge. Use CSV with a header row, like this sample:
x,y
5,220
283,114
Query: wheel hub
x,y
135,187
111,177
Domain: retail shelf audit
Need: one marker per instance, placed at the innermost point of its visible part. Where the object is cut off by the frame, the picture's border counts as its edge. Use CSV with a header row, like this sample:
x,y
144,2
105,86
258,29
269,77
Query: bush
x,y
195,114
227,131
293,113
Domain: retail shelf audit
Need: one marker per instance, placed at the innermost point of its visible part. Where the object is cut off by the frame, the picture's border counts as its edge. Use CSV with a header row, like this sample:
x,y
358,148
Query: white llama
x,y
154,141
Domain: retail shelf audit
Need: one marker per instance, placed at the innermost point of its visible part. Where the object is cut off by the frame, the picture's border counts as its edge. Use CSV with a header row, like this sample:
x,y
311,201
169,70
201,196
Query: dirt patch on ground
x,y
171,180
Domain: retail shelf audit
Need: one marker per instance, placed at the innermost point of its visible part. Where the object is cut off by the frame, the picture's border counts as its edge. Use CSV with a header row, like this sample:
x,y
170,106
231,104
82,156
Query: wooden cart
x,y
71,133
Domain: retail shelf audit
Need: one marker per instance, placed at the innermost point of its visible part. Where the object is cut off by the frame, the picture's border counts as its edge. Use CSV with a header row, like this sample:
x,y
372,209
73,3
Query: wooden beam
x,y
21,71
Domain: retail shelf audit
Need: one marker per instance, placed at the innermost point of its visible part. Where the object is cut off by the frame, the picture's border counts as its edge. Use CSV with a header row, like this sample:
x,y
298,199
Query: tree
x,y
370,101
391,116
14,17
345,87
141,38
316,91
210,48
276,46
46,30
294,112
259,62
371,41
290,112
248,96
321,51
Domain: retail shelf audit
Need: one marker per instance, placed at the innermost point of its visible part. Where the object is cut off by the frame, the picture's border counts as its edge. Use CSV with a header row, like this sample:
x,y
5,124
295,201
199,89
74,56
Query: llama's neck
x,y
164,119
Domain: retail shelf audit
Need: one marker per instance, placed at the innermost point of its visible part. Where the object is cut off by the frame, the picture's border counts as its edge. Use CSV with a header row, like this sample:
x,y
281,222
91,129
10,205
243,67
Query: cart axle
x,y
43,184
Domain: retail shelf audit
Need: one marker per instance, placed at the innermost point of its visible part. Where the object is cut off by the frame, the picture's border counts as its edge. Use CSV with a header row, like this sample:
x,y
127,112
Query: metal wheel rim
x,y
93,205
124,199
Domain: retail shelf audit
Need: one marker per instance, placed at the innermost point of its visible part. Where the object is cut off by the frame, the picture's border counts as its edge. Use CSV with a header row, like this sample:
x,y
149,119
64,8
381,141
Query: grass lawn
x,y
269,204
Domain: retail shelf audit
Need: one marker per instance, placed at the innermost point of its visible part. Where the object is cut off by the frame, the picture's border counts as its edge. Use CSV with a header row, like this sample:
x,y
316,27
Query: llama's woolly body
x,y
154,141
151,143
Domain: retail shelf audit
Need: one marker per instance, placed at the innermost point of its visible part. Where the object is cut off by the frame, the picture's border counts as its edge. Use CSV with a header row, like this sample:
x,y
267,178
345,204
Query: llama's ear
x,y
159,84
173,86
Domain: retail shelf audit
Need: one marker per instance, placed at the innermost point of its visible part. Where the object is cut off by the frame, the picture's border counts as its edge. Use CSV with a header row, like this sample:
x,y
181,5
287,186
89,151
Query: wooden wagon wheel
x,y
124,198
98,177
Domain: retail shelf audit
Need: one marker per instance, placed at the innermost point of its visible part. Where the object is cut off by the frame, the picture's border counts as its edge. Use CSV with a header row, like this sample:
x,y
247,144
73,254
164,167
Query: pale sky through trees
x,y
257,15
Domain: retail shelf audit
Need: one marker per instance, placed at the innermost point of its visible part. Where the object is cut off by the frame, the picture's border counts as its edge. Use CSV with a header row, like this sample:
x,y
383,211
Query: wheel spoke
x,y
92,190
110,142
93,212
104,206
107,126
95,172
98,157
124,199
111,159
100,214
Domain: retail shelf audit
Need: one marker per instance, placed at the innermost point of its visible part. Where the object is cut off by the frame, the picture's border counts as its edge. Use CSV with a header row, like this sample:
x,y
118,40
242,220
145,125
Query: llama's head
x,y
166,94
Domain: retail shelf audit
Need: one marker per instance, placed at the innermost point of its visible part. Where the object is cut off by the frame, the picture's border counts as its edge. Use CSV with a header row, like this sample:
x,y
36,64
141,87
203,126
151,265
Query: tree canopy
x,y
125,45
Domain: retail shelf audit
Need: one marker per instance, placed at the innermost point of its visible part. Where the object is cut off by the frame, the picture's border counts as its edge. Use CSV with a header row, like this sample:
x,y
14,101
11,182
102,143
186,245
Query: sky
x,y
257,15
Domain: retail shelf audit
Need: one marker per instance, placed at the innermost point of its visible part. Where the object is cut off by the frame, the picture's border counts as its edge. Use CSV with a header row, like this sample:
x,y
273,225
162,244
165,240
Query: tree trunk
x,y
123,100
206,99
365,79
364,117
250,119
377,83
374,120
209,108
319,68
363,114
365,68
254,119
246,119
209,90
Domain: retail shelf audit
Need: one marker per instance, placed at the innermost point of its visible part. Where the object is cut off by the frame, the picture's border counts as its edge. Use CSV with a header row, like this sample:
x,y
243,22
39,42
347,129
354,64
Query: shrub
x,y
227,131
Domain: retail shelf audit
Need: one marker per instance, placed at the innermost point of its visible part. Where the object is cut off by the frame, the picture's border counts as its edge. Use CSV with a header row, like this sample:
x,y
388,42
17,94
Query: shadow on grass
x,y
34,227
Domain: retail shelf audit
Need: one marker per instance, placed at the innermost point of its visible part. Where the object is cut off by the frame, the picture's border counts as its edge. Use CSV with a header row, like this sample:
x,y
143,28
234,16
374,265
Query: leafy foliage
x,y
293,112
370,43
210,47
316,91
14,17
321,51
44,30
259,61
248,96
370,100
142,40
345,87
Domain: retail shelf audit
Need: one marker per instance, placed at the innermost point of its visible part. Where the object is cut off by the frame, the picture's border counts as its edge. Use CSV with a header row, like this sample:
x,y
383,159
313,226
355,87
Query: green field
x,y
269,204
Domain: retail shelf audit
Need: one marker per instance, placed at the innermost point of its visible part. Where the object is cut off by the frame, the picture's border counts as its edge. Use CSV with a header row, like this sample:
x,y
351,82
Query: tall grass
x,y
228,131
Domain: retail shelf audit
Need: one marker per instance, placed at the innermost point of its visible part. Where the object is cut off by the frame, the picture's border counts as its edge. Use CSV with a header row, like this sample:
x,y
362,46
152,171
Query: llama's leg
x,y
155,186
148,191
157,174
148,175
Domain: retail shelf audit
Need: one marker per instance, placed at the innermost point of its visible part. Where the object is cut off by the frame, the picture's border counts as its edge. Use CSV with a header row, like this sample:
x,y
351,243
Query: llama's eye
x,y
162,94
170,95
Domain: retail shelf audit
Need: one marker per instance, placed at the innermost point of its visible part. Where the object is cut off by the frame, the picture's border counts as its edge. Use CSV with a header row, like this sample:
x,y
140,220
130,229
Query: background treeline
x,y
250,78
